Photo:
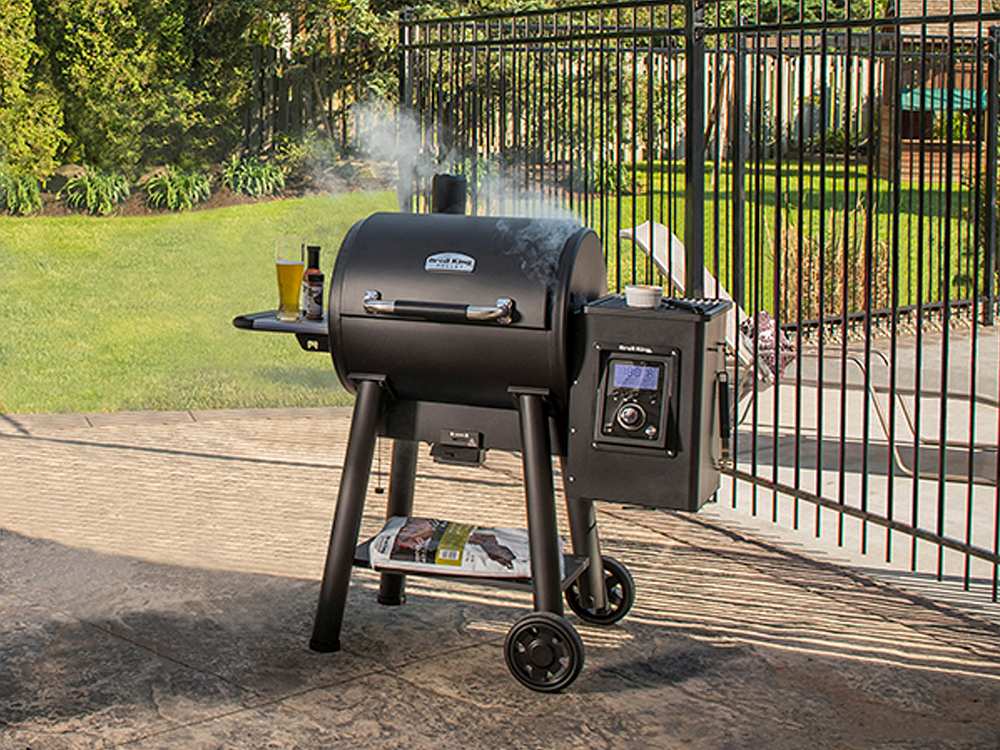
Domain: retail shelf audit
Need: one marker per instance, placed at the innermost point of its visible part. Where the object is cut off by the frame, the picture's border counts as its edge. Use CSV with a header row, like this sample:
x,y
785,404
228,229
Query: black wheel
x,y
620,590
544,652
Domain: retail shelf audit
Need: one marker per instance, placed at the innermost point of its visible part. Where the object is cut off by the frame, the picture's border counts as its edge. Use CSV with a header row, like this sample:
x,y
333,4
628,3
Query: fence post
x,y
404,189
694,148
738,259
992,251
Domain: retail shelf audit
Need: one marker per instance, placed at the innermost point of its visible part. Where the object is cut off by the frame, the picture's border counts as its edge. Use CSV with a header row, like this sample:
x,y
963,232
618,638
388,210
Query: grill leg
x,y
347,518
543,533
586,543
402,477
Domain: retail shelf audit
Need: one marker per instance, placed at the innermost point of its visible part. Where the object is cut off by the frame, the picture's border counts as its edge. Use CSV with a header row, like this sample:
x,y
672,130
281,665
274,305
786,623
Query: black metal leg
x,y
347,518
402,477
586,543
543,532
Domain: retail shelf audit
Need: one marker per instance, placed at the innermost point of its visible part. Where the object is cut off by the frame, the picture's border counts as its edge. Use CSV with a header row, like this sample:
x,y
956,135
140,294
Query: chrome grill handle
x,y
501,313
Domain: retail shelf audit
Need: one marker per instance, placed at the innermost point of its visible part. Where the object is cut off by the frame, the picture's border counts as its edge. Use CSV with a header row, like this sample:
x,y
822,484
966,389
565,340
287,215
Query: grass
x,y
135,313
922,271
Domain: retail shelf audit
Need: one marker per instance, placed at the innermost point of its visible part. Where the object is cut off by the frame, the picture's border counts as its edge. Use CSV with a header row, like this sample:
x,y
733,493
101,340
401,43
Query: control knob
x,y
631,416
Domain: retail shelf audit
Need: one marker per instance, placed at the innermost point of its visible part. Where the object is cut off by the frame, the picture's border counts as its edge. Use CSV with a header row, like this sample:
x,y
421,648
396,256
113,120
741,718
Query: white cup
x,y
643,295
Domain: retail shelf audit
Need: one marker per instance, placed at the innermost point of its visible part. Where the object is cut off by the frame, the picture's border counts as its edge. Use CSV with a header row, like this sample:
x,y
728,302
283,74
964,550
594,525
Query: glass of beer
x,y
290,265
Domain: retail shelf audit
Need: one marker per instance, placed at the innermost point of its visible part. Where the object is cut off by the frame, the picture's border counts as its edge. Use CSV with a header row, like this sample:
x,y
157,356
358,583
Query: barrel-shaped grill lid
x,y
455,260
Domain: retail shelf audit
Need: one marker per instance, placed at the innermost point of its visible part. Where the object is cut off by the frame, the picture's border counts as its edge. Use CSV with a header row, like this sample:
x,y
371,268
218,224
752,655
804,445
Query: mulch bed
x,y
52,205
222,197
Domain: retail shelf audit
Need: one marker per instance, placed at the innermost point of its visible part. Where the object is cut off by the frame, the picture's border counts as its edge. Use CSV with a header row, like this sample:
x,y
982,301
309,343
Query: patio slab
x,y
158,580
912,484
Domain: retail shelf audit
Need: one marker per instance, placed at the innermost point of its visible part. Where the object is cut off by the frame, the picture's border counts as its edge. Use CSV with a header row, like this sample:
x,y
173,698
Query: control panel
x,y
634,401
643,405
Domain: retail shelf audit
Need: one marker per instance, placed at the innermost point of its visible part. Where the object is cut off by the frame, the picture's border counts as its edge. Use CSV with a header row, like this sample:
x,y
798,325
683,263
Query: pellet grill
x,y
474,333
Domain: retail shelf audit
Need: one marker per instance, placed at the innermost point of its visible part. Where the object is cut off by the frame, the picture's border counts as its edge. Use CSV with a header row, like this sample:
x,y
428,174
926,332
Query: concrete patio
x,y
795,448
158,574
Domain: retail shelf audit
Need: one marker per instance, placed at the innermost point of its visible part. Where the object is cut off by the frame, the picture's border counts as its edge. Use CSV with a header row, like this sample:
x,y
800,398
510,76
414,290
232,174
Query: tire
x,y
619,587
544,652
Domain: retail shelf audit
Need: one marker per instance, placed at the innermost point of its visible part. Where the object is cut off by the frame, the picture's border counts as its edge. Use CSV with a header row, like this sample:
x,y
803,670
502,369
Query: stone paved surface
x,y
796,454
158,575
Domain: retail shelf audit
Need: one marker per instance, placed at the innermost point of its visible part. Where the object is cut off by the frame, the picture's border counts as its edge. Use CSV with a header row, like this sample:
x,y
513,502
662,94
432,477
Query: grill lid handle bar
x,y
501,313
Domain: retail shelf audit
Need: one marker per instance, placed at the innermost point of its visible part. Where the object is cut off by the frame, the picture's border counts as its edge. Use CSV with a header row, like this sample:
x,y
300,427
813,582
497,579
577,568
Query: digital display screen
x,y
637,377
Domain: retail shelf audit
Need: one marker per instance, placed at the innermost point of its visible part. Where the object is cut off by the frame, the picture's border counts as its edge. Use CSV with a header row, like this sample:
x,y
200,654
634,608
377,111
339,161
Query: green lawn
x,y
135,313
922,272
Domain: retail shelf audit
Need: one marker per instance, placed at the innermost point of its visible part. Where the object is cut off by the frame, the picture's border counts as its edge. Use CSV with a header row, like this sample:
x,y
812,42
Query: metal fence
x,y
833,171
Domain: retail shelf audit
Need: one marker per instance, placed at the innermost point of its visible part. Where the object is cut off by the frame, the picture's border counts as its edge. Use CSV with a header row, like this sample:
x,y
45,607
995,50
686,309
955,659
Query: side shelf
x,y
312,335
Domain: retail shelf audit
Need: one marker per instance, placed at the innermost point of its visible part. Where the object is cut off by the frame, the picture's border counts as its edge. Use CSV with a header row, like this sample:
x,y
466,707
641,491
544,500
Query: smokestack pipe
x,y
448,193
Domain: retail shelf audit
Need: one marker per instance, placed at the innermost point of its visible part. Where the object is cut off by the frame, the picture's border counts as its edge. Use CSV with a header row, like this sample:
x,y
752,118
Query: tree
x,y
122,72
30,117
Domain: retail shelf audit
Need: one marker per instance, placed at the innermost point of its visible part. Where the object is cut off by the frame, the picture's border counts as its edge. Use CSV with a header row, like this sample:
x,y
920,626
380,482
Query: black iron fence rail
x,y
784,27
521,15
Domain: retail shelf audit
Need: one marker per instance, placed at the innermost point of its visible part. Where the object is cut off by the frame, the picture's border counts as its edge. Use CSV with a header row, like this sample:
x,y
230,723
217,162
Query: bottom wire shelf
x,y
573,566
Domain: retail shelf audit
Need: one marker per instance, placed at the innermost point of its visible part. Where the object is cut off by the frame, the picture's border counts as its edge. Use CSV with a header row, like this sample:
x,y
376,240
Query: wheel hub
x,y
541,654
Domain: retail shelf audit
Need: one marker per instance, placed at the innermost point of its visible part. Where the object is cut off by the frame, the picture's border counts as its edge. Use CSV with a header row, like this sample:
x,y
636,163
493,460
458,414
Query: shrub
x,y
962,127
800,263
20,195
250,176
97,192
177,189
597,177
976,213
31,116
834,139
294,157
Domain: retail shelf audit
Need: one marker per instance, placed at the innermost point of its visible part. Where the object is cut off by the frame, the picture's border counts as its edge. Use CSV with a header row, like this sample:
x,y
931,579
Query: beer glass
x,y
290,265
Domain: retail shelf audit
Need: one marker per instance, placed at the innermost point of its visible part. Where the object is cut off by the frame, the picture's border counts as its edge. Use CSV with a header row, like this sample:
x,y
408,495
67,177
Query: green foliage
x,y
963,127
96,192
296,156
834,140
30,116
790,11
977,212
123,84
149,82
253,177
20,194
177,189
119,67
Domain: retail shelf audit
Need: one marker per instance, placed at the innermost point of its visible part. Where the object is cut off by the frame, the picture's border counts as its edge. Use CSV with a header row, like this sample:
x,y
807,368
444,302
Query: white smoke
x,y
389,136
538,244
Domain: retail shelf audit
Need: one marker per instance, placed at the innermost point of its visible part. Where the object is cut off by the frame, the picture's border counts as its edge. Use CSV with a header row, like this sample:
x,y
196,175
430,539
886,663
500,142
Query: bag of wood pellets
x,y
430,545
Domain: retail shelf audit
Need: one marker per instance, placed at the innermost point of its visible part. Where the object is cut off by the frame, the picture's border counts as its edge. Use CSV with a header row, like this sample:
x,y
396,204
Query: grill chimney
x,y
448,194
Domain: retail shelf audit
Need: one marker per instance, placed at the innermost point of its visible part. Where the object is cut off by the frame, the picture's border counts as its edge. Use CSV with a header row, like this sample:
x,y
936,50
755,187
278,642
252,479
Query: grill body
x,y
472,333
428,277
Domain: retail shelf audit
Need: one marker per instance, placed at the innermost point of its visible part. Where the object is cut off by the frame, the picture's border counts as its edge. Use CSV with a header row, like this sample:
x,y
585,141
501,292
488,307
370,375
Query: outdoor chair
x,y
756,375
739,346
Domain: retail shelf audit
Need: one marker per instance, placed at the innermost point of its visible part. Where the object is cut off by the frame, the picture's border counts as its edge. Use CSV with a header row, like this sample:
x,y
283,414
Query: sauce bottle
x,y
312,286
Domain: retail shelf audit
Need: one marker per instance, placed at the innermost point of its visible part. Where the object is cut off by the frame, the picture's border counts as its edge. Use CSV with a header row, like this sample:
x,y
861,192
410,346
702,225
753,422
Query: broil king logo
x,y
450,263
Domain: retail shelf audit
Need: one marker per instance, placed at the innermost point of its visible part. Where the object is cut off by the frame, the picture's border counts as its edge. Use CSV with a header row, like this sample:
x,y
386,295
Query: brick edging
x,y
29,423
